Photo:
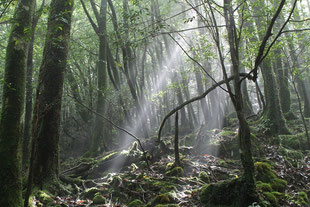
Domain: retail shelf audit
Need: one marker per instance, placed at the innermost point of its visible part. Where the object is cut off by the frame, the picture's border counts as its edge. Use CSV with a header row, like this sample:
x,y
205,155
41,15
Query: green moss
x,y
90,193
164,187
99,199
204,177
189,140
135,203
302,198
264,187
45,198
228,133
176,171
221,193
263,172
271,198
278,195
167,205
292,141
109,156
278,184
165,198
292,156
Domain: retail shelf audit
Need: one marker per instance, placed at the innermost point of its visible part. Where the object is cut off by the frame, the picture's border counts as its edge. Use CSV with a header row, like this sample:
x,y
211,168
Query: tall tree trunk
x,y
13,106
47,110
203,101
273,112
284,92
29,91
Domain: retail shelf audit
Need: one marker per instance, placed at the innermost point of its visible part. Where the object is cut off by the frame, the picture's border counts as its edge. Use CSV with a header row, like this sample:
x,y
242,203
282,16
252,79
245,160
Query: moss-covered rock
x,y
221,193
204,177
176,171
165,198
271,198
99,199
265,174
135,203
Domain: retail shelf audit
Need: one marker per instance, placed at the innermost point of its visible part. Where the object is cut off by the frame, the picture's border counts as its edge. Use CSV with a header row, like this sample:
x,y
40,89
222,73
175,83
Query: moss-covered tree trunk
x,y
29,90
47,110
284,90
248,191
273,115
13,106
98,143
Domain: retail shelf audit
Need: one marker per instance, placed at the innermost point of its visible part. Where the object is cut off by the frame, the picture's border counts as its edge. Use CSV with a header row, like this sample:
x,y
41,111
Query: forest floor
x,y
122,178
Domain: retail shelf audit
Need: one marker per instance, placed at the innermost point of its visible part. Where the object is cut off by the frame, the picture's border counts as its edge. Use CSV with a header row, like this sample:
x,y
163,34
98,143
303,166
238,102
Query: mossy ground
x,y
202,178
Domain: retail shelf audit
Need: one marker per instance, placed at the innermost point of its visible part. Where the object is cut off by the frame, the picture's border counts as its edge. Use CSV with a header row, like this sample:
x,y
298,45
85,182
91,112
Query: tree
x,y
47,108
275,122
13,106
244,135
29,90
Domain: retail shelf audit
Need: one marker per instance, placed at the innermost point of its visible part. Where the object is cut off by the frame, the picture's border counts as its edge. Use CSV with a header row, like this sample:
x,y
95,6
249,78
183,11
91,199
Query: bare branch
x,y
190,57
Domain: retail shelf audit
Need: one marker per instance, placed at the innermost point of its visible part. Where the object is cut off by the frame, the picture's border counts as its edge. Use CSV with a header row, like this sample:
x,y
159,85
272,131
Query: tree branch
x,y
93,24
263,44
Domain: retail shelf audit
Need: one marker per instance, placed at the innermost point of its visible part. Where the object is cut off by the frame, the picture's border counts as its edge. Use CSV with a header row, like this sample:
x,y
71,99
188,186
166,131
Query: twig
x,y
186,53
7,6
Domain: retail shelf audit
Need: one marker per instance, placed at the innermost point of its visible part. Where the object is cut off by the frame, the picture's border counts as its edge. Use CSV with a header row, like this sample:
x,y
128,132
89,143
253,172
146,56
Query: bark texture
x,y
13,106
47,111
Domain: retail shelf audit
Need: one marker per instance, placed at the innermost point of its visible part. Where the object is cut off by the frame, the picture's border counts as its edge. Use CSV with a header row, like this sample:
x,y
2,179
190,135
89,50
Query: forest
x,y
155,103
